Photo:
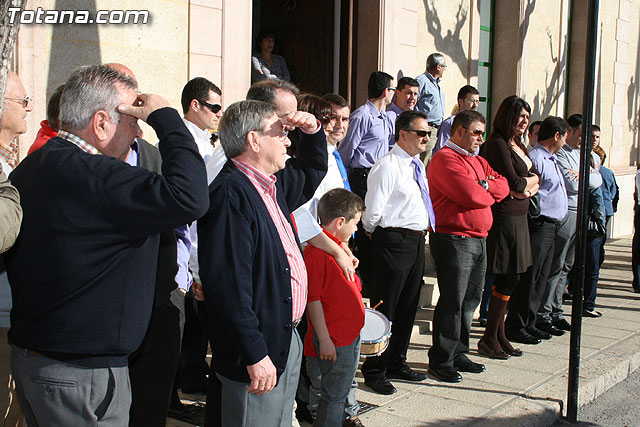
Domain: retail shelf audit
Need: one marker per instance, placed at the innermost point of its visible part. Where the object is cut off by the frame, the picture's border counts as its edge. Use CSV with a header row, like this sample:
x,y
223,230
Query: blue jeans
x,y
351,405
336,383
591,272
461,264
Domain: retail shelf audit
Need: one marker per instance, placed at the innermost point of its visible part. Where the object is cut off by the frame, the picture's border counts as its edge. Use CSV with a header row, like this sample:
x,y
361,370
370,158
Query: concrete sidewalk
x,y
530,390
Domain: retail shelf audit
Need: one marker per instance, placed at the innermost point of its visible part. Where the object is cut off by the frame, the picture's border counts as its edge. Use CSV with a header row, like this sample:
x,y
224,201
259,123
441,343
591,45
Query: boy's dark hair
x,y
532,125
550,126
405,119
378,82
197,88
595,127
407,81
339,202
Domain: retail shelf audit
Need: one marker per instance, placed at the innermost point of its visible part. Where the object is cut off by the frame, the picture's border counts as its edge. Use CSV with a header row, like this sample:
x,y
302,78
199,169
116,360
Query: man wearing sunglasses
x,y
463,188
201,104
13,123
397,217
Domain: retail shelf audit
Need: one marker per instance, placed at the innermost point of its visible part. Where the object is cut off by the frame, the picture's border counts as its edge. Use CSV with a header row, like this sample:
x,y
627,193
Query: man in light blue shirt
x,y
543,229
430,97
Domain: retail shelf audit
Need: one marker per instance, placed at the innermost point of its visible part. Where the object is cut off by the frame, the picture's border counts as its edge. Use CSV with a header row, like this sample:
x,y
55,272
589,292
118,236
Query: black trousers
x,y
193,369
153,366
362,244
526,299
397,269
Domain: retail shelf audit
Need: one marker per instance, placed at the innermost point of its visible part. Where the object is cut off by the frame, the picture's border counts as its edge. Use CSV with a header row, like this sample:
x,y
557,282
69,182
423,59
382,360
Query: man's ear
x,y
194,105
99,123
252,140
340,221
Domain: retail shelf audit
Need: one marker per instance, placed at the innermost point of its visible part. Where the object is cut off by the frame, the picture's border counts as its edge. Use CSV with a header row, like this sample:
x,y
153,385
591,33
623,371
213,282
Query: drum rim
x,y
387,331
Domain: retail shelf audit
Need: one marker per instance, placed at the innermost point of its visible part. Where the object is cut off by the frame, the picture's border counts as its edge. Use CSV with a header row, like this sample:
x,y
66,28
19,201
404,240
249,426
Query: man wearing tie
x,y
397,216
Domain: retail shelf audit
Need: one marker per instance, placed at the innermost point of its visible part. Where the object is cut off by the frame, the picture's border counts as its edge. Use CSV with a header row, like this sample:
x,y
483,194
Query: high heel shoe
x,y
485,350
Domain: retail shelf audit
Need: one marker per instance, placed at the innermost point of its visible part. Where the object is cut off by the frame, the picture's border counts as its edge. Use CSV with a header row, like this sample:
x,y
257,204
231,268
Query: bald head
x,y
123,69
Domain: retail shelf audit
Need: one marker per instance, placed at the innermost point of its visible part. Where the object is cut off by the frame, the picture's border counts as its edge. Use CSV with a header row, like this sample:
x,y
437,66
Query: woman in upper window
x,y
266,65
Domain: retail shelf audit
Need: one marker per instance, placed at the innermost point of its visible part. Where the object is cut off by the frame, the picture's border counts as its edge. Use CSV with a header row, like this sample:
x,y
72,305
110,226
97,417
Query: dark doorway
x,y
304,37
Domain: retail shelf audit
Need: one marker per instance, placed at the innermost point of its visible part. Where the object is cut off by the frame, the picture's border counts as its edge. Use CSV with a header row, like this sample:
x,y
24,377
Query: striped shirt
x,y
81,143
266,187
9,153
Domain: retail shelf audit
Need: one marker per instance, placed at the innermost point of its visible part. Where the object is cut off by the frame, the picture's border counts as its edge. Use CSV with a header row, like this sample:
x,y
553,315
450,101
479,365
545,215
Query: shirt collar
x,y
430,77
400,152
374,111
8,152
331,236
546,153
455,147
261,181
79,142
202,134
394,107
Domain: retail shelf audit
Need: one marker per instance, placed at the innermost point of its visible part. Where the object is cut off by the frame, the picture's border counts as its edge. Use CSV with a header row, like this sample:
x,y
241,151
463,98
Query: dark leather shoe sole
x,y
407,375
485,350
562,325
380,386
523,337
469,366
538,333
447,375
550,329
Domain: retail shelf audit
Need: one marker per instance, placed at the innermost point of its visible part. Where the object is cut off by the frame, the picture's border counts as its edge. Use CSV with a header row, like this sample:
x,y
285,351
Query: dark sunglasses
x,y
213,107
476,132
420,133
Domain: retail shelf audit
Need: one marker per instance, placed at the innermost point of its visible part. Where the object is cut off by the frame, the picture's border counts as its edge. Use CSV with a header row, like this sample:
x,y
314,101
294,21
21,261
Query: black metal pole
x,y
583,204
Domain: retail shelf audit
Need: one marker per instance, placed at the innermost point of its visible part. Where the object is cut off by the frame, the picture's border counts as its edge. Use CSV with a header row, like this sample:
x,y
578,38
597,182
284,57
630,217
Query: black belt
x,y
406,231
363,170
543,218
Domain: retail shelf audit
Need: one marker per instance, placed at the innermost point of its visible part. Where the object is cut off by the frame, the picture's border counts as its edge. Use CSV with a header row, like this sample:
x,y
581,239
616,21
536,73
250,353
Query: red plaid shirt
x,y
266,187
9,153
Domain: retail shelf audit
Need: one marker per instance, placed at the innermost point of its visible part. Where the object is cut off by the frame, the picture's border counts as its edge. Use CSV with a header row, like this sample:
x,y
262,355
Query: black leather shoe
x,y
448,375
591,313
380,385
406,374
463,364
567,297
538,333
562,324
523,337
550,329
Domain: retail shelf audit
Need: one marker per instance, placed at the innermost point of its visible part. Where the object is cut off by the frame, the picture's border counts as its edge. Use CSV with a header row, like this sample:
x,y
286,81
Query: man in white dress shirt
x,y
398,213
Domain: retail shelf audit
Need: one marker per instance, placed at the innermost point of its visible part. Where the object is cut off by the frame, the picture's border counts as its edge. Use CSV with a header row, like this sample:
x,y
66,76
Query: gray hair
x,y
266,90
89,89
434,60
238,120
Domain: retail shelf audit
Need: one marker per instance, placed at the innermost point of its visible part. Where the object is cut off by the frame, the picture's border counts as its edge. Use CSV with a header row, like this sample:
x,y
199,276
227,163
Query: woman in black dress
x,y
508,243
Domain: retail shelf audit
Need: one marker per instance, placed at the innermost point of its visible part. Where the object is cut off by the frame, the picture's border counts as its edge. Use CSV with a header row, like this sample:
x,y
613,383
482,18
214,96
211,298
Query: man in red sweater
x,y
463,187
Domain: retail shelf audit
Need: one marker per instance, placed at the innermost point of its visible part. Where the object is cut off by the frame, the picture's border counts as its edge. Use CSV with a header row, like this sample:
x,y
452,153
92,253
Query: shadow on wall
x,y
543,102
451,43
72,45
633,110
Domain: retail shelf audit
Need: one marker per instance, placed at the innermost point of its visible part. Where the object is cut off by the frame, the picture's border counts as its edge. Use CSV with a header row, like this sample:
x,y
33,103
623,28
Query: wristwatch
x,y
484,184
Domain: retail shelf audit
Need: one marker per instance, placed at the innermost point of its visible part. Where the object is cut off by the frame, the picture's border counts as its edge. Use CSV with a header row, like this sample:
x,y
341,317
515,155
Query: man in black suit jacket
x,y
83,269
250,262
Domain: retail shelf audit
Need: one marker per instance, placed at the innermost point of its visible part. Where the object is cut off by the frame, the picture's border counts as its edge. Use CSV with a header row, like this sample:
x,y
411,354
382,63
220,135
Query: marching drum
x,y
374,337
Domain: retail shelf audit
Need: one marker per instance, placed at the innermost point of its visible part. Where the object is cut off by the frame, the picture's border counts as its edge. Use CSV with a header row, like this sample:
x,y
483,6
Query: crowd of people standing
x,y
121,241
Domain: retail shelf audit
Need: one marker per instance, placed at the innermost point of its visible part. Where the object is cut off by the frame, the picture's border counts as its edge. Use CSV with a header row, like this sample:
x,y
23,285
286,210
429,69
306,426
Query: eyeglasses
x,y
392,88
215,108
24,101
420,133
477,132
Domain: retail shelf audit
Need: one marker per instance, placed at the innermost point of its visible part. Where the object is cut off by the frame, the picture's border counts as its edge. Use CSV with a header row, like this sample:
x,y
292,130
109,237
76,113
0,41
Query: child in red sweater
x,y
336,315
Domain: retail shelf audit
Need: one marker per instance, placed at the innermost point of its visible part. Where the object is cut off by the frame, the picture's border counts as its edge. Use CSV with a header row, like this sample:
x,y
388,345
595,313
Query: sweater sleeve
x,y
447,172
158,202
10,213
498,154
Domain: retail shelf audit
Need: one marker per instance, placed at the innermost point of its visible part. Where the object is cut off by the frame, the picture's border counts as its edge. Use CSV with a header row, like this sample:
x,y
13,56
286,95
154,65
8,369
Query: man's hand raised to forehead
x,y
302,119
147,104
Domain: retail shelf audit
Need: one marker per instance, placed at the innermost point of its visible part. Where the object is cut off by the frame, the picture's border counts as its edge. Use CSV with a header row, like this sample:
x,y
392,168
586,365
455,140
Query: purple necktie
x,y
417,166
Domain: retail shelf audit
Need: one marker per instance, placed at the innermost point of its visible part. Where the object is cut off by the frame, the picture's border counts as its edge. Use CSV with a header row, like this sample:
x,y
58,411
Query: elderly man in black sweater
x,y
83,270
